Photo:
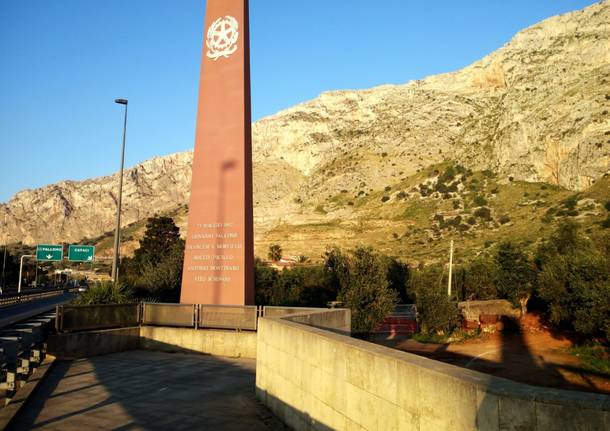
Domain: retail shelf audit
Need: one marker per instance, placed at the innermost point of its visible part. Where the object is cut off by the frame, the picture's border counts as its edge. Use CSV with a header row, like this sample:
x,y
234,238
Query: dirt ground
x,y
532,355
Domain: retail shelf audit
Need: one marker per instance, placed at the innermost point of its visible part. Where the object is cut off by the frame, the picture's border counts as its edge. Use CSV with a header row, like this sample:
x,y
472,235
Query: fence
x,y
18,298
72,318
105,316
228,316
169,314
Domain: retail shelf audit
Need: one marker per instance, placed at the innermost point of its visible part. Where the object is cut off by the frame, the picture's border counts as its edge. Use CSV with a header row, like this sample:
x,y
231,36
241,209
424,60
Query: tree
x,y
275,252
476,281
574,280
398,274
155,271
265,279
160,237
336,268
436,312
163,280
11,269
514,275
365,290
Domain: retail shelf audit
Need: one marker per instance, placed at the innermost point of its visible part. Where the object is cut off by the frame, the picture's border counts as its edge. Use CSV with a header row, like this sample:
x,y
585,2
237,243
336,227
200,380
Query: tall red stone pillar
x,y
218,260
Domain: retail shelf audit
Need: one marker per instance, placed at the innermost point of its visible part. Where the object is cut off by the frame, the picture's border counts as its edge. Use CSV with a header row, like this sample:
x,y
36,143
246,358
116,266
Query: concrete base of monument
x,y
234,344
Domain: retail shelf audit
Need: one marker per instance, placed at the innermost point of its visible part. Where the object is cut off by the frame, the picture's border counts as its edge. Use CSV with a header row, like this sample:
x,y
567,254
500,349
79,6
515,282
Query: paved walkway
x,y
144,389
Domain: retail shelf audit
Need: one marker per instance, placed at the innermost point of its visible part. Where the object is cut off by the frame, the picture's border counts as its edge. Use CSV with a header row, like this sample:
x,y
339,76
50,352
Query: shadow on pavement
x,y
143,389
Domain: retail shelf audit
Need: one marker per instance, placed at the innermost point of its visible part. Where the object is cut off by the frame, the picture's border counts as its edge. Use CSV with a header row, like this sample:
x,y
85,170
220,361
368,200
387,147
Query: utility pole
x,y
21,270
450,268
117,232
3,282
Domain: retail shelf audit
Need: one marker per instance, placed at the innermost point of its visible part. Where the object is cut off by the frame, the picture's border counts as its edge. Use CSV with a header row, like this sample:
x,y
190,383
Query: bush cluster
x,y
155,270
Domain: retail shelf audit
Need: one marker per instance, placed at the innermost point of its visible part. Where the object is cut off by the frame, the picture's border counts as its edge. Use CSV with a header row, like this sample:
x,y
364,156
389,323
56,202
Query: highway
x,y
14,313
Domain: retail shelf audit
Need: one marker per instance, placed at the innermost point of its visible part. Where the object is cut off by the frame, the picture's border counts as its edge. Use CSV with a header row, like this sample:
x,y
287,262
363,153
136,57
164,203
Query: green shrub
x,y
365,290
514,274
155,270
275,252
483,213
574,279
479,201
504,219
385,198
448,175
436,312
105,293
570,203
476,280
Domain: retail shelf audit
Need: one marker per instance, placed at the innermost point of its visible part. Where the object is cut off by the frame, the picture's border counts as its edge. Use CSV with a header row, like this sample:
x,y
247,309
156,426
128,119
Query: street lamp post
x,y
2,283
117,232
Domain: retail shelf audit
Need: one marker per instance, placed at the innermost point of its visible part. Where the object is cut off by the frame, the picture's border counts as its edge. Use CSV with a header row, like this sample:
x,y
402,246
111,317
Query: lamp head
x,y
121,101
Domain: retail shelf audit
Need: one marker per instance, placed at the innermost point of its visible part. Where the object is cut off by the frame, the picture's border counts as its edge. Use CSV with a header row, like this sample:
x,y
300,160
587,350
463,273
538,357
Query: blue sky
x,y
63,62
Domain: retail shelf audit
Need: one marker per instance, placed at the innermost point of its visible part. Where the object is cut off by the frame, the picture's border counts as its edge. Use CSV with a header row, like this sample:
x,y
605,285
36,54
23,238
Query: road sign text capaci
x,y
81,253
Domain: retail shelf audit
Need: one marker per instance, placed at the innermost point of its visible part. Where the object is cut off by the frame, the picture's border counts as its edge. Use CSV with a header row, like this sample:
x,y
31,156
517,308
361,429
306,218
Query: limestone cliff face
x,y
72,210
536,109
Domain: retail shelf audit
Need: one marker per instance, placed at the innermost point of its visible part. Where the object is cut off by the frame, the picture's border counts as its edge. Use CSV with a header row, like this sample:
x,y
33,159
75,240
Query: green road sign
x,y
49,252
81,253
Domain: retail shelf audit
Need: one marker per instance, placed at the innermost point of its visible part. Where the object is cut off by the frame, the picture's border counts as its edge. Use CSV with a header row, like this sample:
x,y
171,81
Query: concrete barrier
x,y
77,345
207,341
233,344
314,379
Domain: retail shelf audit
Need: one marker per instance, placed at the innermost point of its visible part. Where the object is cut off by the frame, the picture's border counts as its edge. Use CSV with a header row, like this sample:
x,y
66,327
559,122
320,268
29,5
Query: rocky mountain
x,y
534,111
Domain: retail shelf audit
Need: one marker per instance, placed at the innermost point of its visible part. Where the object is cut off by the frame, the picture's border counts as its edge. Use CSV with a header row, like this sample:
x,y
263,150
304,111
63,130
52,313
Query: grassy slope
x,y
405,227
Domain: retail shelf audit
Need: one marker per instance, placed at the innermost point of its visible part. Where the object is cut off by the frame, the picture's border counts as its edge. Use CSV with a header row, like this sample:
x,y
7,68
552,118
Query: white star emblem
x,y
222,37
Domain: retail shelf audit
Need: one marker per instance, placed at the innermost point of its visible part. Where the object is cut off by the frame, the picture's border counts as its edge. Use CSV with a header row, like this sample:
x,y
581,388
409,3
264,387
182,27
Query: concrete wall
x,y
93,343
209,341
337,320
314,379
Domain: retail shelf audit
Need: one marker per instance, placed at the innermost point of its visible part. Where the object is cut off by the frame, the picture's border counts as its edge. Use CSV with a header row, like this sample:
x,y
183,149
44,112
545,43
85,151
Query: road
x,y
17,312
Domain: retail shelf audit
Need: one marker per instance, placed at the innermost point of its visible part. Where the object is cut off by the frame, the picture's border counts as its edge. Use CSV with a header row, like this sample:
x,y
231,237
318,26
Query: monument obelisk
x,y
218,259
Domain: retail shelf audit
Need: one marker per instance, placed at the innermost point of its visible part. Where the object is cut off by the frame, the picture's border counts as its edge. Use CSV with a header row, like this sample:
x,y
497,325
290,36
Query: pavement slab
x,y
147,390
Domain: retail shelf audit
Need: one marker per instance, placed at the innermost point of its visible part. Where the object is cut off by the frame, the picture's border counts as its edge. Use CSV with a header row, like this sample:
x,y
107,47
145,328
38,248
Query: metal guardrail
x,y
102,316
7,300
22,350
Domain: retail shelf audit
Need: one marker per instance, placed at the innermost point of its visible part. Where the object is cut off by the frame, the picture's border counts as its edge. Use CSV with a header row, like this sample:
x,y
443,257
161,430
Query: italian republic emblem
x,y
222,38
